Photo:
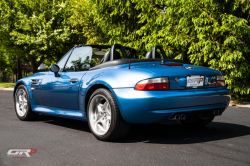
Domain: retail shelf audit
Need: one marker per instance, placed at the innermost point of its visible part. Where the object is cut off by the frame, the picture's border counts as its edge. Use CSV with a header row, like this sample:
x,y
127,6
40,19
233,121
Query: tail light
x,y
220,81
161,83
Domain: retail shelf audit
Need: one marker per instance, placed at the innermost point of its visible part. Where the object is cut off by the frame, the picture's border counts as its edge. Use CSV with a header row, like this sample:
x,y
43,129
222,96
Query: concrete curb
x,y
243,104
9,89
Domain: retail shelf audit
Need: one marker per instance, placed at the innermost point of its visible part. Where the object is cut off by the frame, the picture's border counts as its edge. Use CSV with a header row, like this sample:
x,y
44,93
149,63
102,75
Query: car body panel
x,y
58,96
112,77
64,113
140,106
35,94
59,92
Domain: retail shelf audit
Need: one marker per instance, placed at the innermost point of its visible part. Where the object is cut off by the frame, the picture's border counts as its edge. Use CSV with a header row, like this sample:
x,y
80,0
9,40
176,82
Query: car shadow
x,y
67,123
164,133
179,134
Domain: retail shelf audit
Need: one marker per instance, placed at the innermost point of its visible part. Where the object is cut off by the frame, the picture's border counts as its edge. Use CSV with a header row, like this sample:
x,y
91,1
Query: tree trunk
x,y
33,65
19,70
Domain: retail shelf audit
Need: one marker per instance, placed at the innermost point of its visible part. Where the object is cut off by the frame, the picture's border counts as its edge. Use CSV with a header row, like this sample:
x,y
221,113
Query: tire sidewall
x,y
28,103
107,94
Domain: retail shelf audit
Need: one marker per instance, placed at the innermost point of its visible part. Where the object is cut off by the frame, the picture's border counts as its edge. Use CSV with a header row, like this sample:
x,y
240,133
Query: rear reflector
x,y
220,81
172,64
161,83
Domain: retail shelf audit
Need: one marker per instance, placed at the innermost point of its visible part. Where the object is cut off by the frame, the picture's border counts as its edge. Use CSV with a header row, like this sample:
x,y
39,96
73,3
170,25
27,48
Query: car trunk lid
x,y
178,72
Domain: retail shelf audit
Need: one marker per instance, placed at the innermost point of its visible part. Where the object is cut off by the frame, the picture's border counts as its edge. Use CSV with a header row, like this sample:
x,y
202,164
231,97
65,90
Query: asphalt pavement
x,y
226,141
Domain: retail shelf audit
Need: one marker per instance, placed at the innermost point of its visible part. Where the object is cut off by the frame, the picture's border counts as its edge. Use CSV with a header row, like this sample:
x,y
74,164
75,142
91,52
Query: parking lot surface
x,y
226,141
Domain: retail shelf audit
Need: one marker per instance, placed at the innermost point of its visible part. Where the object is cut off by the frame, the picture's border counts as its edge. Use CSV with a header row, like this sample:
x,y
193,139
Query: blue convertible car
x,y
120,89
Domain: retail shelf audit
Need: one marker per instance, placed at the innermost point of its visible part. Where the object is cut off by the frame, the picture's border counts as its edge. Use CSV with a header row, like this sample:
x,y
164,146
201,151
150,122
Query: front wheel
x,y
197,121
104,117
22,104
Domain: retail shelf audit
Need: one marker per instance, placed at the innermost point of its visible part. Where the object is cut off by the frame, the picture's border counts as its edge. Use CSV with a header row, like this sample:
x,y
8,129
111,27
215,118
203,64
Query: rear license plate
x,y
195,81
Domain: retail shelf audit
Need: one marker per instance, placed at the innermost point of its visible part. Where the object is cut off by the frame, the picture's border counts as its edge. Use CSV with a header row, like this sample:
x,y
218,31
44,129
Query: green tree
x,y
42,29
214,34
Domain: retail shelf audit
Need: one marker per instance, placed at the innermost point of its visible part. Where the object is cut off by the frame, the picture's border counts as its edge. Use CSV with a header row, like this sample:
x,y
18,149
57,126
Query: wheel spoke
x,y
100,108
105,106
20,98
107,122
104,124
21,107
108,110
100,124
24,97
108,117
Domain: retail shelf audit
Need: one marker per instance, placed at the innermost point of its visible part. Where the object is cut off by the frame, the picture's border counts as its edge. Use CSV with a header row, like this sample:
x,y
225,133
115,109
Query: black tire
x,y
29,115
118,127
197,121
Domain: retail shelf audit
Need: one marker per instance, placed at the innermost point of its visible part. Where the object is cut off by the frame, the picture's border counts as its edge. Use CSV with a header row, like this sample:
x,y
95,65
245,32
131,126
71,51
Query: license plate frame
x,y
194,81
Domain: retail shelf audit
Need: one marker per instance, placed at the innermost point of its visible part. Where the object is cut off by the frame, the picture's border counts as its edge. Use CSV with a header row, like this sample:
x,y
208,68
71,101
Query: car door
x,y
62,91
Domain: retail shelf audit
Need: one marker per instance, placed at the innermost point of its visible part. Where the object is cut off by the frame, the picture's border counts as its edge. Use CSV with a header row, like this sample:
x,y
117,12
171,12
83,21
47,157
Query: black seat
x,y
106,56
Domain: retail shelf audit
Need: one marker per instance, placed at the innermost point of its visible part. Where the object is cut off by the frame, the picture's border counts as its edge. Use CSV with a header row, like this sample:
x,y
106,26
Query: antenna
x,y
130,58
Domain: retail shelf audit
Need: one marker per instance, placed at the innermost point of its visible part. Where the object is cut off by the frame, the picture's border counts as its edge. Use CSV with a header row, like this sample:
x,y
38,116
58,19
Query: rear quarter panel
x,y
112,77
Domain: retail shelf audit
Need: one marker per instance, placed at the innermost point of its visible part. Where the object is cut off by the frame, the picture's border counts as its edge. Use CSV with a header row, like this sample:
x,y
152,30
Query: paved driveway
x,y
58,141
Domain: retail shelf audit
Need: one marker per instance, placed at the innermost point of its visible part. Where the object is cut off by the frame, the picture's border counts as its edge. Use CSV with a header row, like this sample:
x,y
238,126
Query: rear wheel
x,y
104,117
22,104
197,121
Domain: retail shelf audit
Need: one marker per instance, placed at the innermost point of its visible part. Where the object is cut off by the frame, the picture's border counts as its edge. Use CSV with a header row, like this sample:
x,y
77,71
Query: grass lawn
x,y
7,85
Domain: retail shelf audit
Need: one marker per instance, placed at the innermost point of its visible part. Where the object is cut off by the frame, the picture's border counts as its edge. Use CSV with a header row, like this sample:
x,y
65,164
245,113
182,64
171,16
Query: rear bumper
x,y
159,106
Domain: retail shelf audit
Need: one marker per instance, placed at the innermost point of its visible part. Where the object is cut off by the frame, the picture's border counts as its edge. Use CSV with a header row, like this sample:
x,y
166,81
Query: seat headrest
x,y
149,55
106,56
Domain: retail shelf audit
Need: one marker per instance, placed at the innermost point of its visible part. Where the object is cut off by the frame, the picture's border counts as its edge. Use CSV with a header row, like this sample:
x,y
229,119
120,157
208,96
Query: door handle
x,y
73,80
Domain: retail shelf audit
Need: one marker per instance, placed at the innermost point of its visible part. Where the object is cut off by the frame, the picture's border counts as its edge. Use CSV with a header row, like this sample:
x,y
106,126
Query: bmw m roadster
x,y
111,88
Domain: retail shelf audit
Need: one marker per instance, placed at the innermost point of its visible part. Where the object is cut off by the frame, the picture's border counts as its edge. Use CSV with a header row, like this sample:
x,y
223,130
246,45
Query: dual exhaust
x,y
179,117
217,112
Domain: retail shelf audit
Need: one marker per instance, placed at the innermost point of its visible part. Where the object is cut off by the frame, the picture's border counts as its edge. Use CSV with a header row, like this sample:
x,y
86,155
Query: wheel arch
x,y
16,87
91,90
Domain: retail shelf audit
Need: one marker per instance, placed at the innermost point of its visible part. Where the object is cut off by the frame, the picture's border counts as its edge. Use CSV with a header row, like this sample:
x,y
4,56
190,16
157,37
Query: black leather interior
x,y
126,61
106,57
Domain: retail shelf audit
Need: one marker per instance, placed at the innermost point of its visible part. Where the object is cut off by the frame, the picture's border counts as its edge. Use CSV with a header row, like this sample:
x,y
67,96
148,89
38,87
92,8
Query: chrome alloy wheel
x,y
21,102
100,114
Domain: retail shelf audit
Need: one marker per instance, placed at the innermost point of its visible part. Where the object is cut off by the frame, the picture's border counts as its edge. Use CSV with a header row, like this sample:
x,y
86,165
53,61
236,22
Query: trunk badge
x,y
190,68
176,79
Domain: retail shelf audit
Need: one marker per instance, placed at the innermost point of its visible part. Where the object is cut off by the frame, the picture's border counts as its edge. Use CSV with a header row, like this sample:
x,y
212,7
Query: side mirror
x,y
55,69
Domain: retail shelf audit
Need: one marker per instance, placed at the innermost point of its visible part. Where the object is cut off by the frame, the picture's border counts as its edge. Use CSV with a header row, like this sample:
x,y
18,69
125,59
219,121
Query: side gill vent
x,y
35,82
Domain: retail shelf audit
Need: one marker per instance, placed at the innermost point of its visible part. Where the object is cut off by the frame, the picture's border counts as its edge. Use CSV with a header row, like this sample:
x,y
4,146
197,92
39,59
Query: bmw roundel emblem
x,y
190,68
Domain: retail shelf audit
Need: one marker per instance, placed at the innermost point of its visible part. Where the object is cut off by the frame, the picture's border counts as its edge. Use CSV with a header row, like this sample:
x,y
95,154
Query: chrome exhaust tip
x,y
176,117
217,112
182,117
